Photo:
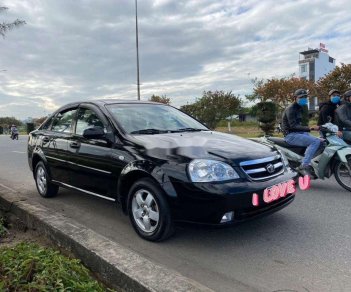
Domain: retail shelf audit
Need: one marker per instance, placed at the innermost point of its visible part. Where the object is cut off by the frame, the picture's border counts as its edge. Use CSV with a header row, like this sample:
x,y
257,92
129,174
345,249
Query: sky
x,y
86,49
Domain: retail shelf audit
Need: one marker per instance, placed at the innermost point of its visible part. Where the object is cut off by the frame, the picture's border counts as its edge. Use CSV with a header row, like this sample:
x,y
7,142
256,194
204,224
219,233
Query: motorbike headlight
x,y
204,170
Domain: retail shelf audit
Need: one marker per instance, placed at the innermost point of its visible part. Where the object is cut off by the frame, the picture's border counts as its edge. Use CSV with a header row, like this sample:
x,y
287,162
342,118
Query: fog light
x,y
227,217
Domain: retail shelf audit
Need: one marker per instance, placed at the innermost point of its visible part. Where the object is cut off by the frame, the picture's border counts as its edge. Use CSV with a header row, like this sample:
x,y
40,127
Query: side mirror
x,y
94,133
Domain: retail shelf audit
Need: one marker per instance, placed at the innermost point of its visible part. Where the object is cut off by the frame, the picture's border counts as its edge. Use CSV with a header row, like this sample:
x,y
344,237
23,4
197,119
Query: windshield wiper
x,y
188,130
149,131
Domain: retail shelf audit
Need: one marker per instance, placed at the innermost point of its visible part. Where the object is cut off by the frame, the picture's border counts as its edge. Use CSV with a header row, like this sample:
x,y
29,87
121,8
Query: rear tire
x,y
149,212
45,187
342,175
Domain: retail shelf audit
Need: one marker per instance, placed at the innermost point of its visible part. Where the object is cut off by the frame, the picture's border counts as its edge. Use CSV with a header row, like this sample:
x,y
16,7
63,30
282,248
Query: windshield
x,y
152,119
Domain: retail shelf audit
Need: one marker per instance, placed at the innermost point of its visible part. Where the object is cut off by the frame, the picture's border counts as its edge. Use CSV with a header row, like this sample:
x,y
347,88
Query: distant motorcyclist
x,y
14,132
327,109
296,134
343,116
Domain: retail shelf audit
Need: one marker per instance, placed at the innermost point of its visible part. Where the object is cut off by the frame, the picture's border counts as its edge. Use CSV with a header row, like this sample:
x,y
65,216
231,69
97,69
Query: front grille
x,y
264,168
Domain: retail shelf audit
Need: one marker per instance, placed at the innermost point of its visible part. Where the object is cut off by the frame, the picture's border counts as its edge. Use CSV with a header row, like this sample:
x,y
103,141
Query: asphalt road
x,y
304,247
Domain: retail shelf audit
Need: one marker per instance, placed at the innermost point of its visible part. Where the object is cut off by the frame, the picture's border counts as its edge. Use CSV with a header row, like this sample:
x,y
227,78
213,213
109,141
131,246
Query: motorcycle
x,y
14,136
332,157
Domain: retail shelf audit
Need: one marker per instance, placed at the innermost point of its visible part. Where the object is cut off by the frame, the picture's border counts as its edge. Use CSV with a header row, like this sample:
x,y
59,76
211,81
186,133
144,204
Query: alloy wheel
x,y
41,180
145,210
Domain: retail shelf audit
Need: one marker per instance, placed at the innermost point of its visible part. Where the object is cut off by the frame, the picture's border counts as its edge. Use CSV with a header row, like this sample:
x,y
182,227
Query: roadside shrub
x,y
266,115
29,267
30,127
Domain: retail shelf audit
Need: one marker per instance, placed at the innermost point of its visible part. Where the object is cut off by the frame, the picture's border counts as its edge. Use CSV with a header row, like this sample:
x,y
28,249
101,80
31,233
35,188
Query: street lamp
x,y
137,46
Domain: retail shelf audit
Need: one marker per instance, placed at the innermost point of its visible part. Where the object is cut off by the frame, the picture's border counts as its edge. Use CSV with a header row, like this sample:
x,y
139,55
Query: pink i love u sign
x,y
281,190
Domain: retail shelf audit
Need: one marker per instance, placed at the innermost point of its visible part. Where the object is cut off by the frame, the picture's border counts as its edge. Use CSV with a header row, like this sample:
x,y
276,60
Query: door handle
x,y
74,145
46,139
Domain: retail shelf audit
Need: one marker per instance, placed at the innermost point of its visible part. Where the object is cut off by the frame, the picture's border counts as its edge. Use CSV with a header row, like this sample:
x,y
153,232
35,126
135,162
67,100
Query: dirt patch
x,y
13,231
14,236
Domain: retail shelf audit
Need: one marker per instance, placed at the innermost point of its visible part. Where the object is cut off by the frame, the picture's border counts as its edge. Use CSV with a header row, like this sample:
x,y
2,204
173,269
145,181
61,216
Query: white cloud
x,y
84,49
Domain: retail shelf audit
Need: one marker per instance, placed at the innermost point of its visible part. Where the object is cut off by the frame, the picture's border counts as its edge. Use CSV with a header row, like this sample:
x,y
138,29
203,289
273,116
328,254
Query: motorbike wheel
x,y
42,180
342,175
149,212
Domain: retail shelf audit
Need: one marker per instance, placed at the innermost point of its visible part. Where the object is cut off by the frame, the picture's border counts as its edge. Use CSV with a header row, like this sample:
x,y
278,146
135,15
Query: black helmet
x,y
347,94
333,91
300,93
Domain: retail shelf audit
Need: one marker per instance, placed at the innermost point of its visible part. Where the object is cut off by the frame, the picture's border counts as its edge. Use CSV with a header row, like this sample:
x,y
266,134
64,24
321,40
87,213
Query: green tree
x,y
253,110
339,78
280,90
162,99
8,121
213,107
6,26
39,121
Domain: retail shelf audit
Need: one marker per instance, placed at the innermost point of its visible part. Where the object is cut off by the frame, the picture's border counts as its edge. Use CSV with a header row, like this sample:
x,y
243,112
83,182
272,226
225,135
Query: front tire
x,y
342,175
45,187
149,212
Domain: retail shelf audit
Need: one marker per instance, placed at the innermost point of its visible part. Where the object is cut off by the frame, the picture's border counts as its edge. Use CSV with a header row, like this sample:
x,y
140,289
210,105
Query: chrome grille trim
x,y
260,172
276,165
258,161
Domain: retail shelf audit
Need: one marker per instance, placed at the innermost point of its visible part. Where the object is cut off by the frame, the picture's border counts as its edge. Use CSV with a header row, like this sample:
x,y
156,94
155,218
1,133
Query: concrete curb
x,y
115,264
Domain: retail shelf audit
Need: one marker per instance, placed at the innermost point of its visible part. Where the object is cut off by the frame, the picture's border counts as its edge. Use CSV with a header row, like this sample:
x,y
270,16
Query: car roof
x,y
115,100
102,102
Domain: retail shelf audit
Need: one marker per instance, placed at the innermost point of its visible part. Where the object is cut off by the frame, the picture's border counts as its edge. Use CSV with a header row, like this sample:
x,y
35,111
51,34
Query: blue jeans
x,y
304,139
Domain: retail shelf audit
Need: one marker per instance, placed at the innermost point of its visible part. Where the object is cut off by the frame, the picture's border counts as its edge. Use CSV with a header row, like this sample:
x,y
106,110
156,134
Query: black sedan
x,y
160,164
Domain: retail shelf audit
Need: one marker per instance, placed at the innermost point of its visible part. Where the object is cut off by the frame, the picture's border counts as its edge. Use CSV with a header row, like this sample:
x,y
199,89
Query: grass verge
x,y
30,266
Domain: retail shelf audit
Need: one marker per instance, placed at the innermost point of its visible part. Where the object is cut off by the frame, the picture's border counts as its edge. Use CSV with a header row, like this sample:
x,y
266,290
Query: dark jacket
x,y
343,116
291,120
326,110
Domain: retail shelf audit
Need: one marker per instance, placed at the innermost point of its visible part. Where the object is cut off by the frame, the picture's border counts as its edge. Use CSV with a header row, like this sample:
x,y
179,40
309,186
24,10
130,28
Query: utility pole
x,y
137,46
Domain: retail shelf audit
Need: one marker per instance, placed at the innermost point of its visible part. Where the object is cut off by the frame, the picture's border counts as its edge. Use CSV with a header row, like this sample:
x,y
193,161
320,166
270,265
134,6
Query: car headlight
x,y
204,170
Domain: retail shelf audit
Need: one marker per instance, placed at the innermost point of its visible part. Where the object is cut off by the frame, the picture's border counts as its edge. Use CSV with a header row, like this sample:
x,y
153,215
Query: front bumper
x,y
206,203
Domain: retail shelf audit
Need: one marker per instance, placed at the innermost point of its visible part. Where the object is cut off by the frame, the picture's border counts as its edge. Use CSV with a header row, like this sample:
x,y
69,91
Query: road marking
x,y
12,190
19,152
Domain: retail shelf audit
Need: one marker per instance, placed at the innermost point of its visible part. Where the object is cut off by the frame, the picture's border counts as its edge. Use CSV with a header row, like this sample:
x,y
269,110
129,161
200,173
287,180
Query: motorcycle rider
x,y
298,135
343,117
13,131
327,109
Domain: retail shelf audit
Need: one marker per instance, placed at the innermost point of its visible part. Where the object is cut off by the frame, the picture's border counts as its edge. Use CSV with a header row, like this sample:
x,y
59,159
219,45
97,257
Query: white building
x,y
313,65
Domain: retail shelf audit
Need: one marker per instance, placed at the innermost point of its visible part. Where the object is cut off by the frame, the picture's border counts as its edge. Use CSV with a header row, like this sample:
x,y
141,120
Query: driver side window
x,y
63,121
87,119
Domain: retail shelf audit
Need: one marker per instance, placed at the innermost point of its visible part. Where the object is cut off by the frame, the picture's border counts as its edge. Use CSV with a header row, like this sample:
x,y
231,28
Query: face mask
x,y
302,101
335,99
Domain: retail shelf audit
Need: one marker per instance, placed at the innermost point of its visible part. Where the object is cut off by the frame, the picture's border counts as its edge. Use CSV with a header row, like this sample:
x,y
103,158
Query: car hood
x,y
205,144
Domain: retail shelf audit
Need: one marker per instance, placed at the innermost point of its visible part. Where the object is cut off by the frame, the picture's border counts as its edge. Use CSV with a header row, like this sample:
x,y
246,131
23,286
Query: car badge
x,y
270,168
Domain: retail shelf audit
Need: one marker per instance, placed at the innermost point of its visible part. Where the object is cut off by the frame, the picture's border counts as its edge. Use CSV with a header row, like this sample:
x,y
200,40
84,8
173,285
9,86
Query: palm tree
x,y
5,27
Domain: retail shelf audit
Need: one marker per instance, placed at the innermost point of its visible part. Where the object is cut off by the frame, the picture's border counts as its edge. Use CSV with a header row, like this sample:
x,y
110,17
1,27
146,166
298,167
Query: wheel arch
x,y
36,158
136,171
